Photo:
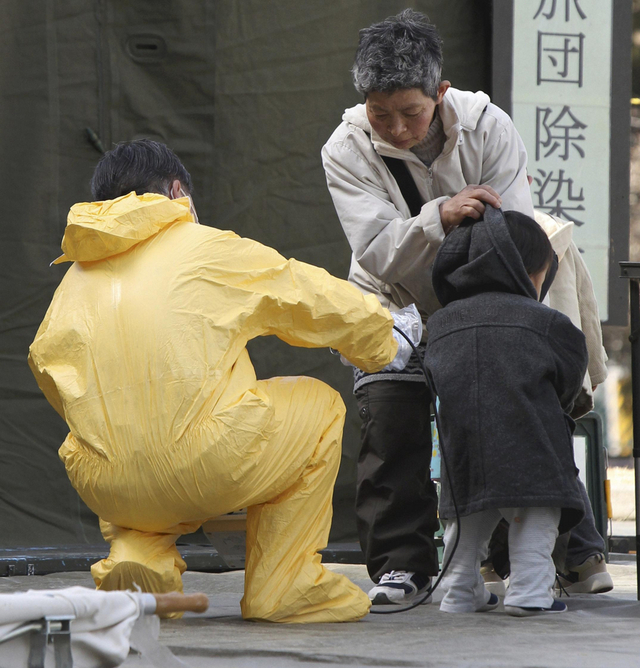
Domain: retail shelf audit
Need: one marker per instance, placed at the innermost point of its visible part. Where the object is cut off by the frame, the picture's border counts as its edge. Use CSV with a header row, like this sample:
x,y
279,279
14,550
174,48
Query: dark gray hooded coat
x,y
507,370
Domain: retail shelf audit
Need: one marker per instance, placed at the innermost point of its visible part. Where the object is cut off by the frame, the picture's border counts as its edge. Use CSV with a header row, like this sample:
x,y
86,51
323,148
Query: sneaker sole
x,y
598,583
382,599
513,611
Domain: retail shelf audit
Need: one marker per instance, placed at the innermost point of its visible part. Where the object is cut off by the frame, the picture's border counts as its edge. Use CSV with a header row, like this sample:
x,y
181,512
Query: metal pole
x,y
634,304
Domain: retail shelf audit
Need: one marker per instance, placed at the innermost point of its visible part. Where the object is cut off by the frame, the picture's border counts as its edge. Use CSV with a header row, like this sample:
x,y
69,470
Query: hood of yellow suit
x,y
98,230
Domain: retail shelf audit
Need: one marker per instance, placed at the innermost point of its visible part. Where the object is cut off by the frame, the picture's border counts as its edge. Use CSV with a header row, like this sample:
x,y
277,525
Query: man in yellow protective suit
x,y
142,352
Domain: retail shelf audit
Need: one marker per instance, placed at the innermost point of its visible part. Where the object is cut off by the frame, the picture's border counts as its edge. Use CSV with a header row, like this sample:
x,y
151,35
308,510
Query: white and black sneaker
x,y
399,588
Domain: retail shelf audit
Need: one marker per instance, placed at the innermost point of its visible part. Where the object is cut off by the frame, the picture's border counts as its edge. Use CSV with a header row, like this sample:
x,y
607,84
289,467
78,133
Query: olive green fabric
x,y
246,93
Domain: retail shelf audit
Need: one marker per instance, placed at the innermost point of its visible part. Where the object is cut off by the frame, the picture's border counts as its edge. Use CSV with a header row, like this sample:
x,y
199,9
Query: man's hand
x,y
468,203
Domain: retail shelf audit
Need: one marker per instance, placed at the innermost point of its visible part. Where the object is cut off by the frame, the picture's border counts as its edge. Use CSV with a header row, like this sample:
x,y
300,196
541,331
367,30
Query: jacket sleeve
x,y
504,161
385,241
570,357
589,318
304,305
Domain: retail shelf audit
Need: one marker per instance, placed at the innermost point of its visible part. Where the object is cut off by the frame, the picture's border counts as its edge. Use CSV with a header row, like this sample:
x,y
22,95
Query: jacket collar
x,y
560,232
459,110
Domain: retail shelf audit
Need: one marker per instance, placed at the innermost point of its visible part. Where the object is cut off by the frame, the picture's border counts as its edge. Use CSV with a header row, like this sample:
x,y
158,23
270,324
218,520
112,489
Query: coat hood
x,y
97,230
459,110
560,232
480,257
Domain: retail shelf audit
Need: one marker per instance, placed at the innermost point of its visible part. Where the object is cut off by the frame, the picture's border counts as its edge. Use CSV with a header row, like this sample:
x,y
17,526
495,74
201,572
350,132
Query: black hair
x,y
141,165
530,240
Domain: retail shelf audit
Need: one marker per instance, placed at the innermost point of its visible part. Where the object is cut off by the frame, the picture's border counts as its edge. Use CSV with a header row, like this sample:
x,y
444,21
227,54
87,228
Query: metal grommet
x,y
147,48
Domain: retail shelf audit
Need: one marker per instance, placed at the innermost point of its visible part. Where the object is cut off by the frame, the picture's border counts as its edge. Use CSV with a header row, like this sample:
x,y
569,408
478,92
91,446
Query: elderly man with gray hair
x,y
404,169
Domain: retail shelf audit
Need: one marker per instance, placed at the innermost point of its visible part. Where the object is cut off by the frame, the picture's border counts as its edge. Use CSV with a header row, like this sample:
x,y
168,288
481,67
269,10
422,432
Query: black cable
x,y
561,588
429,382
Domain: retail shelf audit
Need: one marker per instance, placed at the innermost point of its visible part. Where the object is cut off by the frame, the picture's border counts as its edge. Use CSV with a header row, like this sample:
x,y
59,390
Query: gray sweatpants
x,y
532,535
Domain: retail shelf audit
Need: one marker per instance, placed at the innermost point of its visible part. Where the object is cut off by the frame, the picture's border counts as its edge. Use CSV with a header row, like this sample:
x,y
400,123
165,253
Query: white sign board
x,y
561,108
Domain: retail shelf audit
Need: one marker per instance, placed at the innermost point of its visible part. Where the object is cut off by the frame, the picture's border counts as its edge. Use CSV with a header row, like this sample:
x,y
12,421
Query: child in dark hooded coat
x,y
507,370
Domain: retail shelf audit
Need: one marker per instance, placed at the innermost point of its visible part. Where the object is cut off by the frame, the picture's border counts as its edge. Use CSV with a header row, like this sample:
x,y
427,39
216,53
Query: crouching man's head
x,y
143,166
397,68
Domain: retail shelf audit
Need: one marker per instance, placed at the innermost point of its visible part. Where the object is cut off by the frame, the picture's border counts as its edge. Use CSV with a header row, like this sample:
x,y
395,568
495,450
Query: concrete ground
x,y
597,631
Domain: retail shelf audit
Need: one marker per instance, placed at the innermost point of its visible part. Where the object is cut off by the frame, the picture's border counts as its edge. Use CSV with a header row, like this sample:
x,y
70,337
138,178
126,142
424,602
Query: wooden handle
x,y
175,602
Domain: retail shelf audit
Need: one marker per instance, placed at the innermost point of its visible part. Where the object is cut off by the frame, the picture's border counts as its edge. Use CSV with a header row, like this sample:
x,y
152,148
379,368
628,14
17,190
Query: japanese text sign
x,y
561,107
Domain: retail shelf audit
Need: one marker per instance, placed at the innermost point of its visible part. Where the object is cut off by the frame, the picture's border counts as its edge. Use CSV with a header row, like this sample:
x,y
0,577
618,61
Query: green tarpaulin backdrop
x,y
246,92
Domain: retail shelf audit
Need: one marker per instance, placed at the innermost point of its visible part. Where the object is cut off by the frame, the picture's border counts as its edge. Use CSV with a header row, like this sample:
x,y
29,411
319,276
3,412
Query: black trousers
x,y
396,502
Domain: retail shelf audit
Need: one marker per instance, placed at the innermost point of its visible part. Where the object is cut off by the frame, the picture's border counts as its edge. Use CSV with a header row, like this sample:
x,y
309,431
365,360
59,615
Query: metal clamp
x,y
54,629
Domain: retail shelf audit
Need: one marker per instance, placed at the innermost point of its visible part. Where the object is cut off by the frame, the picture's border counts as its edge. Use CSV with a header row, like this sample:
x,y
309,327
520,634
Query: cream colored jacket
x,y
572,294
393,251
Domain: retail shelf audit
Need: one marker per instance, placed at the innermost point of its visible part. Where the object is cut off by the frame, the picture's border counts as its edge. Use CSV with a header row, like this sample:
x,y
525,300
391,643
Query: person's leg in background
x,y
289,513
585,570
396,502
495,568
463,586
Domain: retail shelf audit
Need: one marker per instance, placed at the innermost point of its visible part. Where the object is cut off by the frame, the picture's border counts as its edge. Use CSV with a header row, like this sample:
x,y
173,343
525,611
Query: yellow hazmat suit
x,y
142,352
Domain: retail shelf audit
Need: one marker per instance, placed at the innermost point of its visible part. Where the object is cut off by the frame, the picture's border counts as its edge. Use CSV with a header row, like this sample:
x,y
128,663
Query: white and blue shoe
x,y
491,604
399,588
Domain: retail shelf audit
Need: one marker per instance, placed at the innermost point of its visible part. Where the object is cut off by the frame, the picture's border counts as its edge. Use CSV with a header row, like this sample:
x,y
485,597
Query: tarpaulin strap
x,y
407,185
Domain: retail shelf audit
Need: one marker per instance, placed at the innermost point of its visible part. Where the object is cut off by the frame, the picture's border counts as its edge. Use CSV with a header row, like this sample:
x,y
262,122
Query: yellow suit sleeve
x,y
304,305
45,383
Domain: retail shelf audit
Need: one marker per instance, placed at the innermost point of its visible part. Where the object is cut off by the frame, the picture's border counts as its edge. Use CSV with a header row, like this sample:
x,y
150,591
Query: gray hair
x,y
403,51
